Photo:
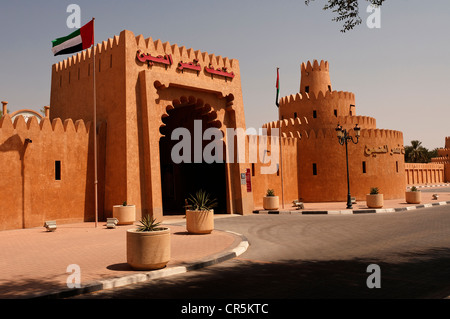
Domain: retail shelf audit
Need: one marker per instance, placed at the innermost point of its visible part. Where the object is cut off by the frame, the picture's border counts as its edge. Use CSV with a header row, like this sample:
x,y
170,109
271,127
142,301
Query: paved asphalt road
x,y
320,256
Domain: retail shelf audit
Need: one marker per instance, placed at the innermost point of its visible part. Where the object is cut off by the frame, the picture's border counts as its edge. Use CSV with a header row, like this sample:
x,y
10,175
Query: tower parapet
x,y
315,77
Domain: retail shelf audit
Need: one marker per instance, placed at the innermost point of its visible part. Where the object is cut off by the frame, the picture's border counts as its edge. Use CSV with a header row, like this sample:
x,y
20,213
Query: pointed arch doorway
x,y
179,179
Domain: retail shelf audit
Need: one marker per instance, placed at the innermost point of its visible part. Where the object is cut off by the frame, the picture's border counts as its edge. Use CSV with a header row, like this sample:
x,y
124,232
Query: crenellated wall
x,y
30,191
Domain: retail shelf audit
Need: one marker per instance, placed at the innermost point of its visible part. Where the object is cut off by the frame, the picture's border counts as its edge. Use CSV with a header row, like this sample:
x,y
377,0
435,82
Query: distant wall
x,y
429,173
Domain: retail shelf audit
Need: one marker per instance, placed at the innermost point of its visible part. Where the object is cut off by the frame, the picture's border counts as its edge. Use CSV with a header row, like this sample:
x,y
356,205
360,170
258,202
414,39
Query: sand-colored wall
x,y
429,173
29,193
384,170
72,97
444,159
285,180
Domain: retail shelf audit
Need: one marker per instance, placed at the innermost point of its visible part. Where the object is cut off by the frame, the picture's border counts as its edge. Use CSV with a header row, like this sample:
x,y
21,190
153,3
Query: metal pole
x,y
281,170
281,157
95,132
349,197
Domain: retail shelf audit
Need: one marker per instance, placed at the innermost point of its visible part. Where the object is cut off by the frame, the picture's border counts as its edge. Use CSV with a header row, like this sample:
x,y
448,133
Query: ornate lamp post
x,y
343,137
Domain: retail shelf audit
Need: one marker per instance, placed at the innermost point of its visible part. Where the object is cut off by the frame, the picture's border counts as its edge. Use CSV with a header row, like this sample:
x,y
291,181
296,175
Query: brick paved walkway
x,y
34,261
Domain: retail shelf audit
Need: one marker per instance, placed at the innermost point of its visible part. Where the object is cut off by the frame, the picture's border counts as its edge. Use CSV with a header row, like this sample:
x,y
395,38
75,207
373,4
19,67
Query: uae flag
x,y
78,40
278,88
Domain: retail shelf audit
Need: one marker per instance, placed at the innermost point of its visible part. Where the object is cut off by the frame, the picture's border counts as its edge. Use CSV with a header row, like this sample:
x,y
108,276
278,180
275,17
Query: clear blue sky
x,y
399,73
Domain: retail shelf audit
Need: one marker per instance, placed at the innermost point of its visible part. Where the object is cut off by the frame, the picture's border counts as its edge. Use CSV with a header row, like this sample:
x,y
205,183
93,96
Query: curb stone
x,y
149,275
348,211
424,186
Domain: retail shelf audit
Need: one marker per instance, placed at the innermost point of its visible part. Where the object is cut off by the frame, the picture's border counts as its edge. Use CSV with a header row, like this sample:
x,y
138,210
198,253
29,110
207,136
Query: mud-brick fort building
x,y
146,89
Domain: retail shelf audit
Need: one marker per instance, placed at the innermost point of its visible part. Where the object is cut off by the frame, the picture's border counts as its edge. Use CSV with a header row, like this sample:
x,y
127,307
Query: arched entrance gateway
x,y
183,148
200,99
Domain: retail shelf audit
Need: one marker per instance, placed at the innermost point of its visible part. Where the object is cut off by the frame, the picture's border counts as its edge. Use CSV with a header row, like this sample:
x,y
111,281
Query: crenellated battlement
x,y
333,95
295,128
362,121
315,66
85,56
182,53
447,142
302,124
286,123
331,133
440,160
19,124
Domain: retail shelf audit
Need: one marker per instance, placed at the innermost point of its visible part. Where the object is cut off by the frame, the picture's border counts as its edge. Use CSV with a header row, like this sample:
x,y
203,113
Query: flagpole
x,y
95,129
281,151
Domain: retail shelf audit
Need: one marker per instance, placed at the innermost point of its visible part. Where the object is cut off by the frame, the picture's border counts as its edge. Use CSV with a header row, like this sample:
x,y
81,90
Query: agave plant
x,y
374,191
270,192
149,224
414,189
201,201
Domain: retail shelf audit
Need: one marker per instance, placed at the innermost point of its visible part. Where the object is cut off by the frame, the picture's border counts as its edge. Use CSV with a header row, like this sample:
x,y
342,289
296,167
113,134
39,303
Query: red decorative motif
x,y
191,66
166,59
220,71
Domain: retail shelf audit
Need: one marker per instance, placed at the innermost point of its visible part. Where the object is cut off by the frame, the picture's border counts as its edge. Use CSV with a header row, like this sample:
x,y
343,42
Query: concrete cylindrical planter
x,y
271,202
148,250
374,200
200,222
125,214
413,197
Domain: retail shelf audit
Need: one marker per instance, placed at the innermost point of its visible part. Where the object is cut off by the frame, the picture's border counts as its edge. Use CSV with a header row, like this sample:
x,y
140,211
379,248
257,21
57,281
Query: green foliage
x,y
270,192
414,189
416,153
347,11
149,224
124,203
374,191
201,201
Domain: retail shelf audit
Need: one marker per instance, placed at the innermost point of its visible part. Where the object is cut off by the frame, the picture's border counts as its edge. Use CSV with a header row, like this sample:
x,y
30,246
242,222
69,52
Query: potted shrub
x,y
374,199
148,246
200,213
126,214
413,196
270,201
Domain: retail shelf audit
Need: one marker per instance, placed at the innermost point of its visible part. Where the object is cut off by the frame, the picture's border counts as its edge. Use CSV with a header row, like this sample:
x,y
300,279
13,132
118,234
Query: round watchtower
x,y
315,78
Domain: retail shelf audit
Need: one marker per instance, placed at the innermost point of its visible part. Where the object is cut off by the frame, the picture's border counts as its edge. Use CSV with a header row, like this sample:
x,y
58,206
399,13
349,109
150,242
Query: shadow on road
x,y
414,275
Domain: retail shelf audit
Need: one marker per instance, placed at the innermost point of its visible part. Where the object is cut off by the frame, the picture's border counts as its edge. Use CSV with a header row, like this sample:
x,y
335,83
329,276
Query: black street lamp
x,y
343,137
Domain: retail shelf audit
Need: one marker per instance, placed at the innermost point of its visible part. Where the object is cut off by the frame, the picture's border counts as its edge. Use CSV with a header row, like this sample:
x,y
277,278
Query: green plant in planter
x,y
201,201
124,203
270,192
414,189
374,191
149,224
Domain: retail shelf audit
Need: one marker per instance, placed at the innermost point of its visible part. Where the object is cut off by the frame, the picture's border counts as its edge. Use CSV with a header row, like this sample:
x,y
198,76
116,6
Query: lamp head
x,y
357,130
339,131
